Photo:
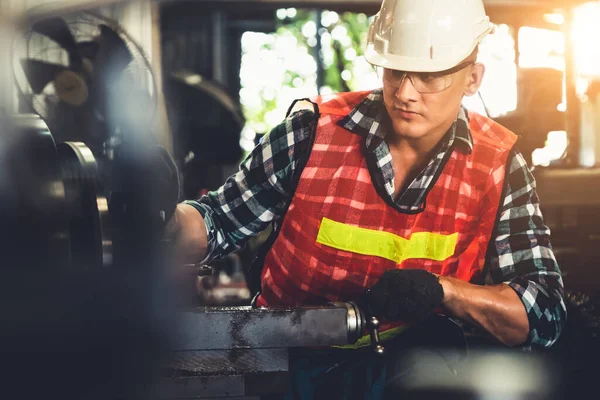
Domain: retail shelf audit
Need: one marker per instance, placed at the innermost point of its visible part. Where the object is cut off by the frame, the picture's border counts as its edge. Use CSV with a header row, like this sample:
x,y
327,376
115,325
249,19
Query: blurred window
x,y
499,86
282,66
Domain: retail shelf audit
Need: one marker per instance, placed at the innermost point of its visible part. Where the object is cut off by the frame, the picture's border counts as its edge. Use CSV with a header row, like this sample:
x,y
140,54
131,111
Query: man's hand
x,y
497,309
187,232
408,295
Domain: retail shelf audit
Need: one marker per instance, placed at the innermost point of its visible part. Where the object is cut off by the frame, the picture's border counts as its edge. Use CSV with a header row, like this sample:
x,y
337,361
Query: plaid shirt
x,y
519,255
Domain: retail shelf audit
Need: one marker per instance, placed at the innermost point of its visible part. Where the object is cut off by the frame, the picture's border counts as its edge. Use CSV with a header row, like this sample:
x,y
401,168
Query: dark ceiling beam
x,y
499,10
376,3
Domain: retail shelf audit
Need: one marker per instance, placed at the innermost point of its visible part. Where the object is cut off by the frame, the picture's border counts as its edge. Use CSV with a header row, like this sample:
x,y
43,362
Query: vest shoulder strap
x,y
340,104
332,111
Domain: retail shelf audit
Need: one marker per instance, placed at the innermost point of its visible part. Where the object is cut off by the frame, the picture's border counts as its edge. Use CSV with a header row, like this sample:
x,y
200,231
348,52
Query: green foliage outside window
x,y
282,66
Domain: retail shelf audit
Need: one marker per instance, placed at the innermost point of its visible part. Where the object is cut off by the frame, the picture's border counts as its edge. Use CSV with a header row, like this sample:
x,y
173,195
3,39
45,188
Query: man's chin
x,y
409,129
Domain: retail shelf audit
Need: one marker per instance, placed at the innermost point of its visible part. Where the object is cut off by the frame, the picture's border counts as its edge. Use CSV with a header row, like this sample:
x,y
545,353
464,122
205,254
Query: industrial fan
x,y
94,88
85,77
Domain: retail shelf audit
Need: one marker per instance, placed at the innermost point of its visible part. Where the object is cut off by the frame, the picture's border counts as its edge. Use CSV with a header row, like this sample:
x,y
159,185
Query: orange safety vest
x,y
338,235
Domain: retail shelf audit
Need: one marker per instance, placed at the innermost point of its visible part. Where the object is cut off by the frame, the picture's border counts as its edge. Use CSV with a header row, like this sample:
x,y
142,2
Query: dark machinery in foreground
x,y
244,351
89,318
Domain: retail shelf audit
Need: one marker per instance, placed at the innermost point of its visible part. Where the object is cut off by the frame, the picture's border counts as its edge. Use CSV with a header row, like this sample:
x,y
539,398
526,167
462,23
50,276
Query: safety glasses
x,y
425,82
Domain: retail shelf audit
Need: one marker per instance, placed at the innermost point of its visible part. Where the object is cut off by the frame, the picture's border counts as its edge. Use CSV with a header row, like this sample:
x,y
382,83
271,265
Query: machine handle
x,y
373,328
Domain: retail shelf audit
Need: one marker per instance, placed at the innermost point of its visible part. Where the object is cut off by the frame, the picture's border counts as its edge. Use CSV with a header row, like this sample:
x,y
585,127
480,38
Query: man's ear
x,y
474,78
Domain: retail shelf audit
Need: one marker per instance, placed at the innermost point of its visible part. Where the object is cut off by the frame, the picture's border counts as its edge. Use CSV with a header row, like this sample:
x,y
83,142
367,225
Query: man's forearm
x,y
497,309
188,232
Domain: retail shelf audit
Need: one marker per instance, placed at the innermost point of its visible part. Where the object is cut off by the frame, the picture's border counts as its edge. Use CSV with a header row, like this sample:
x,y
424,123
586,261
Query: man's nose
x,y
406,91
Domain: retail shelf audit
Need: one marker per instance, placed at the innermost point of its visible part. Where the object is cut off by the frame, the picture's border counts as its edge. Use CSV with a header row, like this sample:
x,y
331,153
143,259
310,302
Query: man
x,y
399,190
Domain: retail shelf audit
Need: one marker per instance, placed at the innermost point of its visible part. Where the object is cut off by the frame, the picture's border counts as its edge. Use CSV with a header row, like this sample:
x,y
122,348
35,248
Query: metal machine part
x,y
91,244
54,213
356,320
373,326
34,212
219,373
243,352
259,328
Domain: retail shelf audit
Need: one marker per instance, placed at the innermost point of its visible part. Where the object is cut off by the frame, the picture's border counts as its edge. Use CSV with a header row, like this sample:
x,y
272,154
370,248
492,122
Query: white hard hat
x,y
426,35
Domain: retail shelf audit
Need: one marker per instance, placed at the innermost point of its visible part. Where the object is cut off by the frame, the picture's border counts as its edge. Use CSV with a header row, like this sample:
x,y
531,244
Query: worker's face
x,y
418,109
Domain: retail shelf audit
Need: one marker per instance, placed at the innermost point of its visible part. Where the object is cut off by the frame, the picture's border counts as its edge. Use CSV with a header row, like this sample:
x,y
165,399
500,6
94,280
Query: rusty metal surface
x,y
246,327
226,362
222,373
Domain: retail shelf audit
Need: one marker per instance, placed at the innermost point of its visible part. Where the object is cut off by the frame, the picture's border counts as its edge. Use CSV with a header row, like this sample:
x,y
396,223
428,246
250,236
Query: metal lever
x,y
373,327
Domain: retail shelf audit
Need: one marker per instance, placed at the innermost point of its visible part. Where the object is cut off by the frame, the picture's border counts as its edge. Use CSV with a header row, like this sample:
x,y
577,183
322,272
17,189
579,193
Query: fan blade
x,y
58,30
111,60
88,49
40,73
113,55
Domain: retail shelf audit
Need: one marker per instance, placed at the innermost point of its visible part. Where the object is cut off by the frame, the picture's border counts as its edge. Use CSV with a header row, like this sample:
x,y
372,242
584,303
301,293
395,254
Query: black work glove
x,y
145,189
408,295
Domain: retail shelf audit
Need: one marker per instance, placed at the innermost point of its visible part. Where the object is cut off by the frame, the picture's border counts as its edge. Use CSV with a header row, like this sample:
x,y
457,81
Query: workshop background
x,y
87,308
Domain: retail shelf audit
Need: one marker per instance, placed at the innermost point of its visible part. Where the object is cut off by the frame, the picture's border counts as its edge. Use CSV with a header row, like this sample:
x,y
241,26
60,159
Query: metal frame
x,y
260,328
244,351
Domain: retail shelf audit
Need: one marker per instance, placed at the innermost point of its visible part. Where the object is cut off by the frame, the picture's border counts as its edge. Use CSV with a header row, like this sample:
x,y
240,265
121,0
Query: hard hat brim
x,y
412,64
419,64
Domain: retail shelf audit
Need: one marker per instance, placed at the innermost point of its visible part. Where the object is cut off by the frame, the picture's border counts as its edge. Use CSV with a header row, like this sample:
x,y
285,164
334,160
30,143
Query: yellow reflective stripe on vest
x,y
366,340
427,245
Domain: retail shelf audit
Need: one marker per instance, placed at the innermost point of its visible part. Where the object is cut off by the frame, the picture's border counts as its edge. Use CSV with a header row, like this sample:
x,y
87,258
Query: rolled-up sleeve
x,y
521,256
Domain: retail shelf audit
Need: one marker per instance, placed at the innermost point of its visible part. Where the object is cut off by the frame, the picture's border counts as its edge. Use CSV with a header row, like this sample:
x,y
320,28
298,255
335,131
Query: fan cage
x,y
84,26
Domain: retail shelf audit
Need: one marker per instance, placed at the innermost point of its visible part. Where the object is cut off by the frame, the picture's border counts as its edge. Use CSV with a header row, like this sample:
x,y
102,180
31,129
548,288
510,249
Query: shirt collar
x,y
370,120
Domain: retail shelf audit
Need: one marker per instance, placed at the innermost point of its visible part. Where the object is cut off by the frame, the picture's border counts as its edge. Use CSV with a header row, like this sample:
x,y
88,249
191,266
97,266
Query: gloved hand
x,y
408,295
145,189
